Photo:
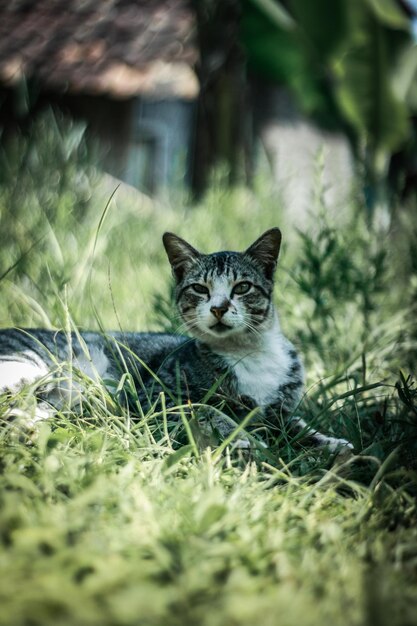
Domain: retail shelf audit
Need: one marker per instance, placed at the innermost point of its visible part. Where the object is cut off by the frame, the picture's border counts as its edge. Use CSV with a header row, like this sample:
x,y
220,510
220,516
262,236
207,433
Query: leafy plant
x,y
350,63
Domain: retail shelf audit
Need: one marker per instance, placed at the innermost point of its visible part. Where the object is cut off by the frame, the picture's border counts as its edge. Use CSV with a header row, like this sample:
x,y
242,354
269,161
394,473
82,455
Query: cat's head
x,y
224,294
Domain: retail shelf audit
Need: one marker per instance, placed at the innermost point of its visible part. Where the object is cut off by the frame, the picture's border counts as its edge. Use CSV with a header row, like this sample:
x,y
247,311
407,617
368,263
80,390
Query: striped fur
x,y
233,356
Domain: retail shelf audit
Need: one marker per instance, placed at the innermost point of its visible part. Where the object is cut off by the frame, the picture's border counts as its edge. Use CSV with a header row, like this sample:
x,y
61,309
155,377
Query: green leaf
x,y
389,12
365,93
404,77
323,26
275,12
177,456
271,50
211,513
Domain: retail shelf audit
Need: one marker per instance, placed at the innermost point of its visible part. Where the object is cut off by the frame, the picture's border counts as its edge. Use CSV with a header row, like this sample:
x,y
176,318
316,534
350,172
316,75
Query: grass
x,y
105,520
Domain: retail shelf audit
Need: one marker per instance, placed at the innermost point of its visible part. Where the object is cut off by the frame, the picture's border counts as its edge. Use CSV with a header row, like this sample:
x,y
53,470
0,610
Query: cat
x,y
235,357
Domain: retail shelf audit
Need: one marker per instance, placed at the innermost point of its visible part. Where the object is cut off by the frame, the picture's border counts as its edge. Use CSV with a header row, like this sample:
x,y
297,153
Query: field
x,y
110,520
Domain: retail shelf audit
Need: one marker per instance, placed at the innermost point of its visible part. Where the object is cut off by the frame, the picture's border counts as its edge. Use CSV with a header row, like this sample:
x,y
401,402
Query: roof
x,y
120,48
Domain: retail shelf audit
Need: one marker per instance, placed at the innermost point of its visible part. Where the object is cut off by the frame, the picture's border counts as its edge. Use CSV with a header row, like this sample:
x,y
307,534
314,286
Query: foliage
x,y
97,531
350,63
107,519
46,184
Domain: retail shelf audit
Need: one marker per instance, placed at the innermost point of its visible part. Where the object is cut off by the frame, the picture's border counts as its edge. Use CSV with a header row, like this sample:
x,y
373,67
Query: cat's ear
x,y
265,251
181,254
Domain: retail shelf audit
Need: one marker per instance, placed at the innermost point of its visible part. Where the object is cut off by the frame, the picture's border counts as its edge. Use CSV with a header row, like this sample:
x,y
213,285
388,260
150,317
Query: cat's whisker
x,y
249,326
187,327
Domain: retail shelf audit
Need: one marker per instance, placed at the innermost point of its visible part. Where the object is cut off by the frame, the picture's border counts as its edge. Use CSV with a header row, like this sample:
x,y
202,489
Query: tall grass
x,y
105,519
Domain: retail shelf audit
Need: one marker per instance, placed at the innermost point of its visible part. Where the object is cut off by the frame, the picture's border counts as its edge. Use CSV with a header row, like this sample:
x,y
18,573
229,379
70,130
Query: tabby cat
x,y
236,357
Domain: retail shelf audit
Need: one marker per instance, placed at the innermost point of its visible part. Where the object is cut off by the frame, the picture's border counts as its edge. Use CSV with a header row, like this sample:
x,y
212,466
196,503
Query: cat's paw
x,y
336,444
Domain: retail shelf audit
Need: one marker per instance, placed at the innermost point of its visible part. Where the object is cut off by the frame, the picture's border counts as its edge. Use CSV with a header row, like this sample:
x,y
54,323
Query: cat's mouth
x,y
220,327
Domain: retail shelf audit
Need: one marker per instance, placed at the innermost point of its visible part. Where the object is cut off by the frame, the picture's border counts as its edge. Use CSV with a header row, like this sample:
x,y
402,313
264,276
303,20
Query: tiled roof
x,y
115,47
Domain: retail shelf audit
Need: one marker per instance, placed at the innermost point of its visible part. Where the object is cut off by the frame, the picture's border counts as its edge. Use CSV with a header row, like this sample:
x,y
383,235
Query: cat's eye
x,y
200,289
241,288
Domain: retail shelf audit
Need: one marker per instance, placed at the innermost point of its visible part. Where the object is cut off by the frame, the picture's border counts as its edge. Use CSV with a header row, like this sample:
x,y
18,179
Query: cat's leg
x,y
50,383
87,365
215,426
60,385
316,438
19,371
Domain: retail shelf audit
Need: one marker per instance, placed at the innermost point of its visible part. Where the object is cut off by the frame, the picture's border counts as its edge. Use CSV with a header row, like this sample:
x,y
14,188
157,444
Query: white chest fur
x,y
262,371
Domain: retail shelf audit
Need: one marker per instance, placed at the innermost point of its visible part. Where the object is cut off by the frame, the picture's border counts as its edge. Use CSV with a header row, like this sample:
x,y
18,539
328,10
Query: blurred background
x,y
170,89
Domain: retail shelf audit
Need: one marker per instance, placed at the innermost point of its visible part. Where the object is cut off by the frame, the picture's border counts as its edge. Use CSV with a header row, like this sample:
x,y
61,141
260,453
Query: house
x,y
124,66
128,68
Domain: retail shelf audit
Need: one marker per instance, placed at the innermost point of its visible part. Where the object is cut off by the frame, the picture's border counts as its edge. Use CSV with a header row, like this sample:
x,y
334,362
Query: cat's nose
x,y
219,310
